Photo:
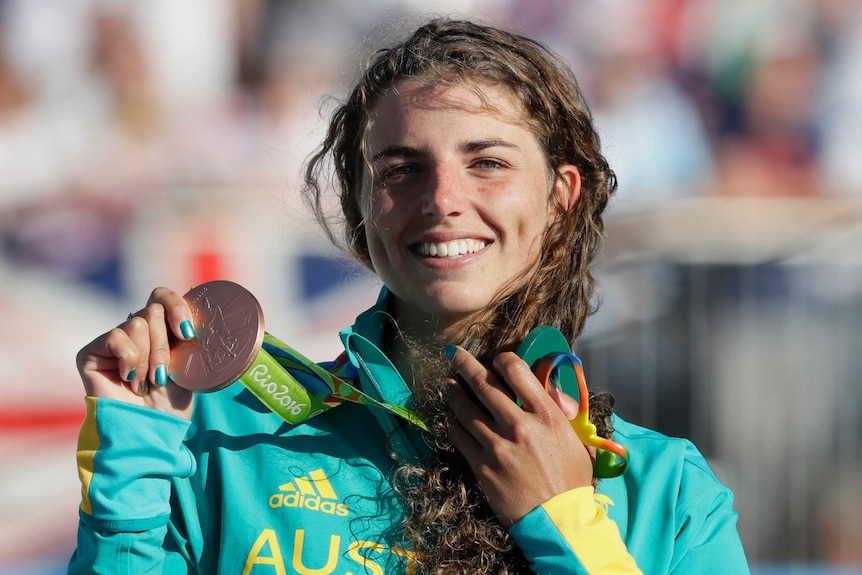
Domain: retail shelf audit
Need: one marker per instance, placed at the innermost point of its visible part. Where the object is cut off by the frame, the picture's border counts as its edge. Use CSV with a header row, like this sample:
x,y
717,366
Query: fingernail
x,y
162,375
131,376
450,350
143,388
187,329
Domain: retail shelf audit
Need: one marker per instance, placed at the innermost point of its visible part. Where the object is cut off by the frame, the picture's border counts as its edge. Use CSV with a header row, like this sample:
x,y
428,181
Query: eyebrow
x,y
399,151
479,145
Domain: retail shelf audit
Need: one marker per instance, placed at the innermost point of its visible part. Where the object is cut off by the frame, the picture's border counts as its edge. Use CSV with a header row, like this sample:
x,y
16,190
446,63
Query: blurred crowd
x,y
108,107
105,104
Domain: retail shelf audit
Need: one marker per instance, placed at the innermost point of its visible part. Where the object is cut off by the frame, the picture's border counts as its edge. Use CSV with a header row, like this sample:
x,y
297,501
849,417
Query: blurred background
x,y
159,142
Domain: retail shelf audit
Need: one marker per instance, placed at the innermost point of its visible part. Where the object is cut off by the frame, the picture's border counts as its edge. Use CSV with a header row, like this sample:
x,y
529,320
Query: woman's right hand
x,y
131,362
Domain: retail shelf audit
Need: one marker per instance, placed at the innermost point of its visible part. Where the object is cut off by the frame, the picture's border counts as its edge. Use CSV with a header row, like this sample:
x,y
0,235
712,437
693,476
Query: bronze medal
x,y
229,332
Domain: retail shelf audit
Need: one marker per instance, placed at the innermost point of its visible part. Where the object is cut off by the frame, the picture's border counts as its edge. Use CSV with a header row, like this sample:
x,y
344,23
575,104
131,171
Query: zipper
x,y
398,433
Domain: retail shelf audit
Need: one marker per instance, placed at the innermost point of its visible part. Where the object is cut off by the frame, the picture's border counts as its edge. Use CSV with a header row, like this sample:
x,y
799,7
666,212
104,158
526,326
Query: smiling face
x,y
456,198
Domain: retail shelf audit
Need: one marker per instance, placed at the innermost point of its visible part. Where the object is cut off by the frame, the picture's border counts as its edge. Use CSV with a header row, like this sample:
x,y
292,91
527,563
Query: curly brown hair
x,y
448,524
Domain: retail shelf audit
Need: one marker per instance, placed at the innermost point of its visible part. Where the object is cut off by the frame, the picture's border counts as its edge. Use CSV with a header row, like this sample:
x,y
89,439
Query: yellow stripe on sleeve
x,y
88,445
593,536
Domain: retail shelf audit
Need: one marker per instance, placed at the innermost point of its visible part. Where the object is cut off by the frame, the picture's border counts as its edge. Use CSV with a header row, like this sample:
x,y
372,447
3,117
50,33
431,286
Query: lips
x,y
450,249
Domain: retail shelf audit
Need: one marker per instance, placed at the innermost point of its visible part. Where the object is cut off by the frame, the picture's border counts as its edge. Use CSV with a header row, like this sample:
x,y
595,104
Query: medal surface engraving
x,y
229,333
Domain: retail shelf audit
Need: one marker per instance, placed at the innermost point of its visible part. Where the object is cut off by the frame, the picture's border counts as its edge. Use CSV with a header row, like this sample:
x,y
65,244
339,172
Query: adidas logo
x,y
314,493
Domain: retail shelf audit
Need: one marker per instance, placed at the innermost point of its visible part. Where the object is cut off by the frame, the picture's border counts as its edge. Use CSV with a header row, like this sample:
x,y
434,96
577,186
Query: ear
x,y
567,185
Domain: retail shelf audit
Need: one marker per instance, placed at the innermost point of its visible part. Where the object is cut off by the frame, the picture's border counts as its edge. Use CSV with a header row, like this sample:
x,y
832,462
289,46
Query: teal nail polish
x,y
131,376
450,350
162,375
187,329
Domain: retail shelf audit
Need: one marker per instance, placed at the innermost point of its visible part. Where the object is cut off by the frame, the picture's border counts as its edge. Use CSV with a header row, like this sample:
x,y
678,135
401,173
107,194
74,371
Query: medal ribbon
x,y
296,388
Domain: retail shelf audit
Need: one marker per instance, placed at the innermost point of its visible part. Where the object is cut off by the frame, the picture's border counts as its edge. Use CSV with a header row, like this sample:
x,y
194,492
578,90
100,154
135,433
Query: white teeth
x,y
451,249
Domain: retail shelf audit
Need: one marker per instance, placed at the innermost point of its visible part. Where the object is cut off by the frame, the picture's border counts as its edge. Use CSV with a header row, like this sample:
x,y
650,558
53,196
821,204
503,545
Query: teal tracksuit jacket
x,y
237,491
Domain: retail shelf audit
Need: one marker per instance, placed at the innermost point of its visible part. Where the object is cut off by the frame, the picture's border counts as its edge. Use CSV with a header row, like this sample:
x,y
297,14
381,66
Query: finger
x,y
112,355
136,366
565,402
464,441
126,354
475,421
491,392
523,383
176,311
159,355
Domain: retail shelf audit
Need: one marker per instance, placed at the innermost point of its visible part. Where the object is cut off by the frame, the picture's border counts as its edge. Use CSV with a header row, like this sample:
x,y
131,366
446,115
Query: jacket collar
x,y
379,378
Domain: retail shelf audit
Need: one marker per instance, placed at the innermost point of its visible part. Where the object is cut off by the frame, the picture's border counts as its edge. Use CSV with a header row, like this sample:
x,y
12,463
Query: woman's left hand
x,y
521,455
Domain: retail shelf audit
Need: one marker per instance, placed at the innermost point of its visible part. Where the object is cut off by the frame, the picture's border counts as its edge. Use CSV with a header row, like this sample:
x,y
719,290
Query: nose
x,y
444,195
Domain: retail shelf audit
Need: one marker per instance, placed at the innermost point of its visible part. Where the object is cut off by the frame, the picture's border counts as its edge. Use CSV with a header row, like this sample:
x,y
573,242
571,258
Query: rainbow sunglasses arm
x,y
548,354
612,458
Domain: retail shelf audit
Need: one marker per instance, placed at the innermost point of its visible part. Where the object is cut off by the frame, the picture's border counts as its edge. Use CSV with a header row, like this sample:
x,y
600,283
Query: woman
x,y
472,182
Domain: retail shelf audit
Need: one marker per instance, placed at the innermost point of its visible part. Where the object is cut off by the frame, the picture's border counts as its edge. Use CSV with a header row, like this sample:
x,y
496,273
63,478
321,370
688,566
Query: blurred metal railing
x,y
738,323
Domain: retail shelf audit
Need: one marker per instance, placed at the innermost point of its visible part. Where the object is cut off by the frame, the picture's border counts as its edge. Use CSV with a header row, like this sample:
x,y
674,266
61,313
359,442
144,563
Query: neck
x,y
409,331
